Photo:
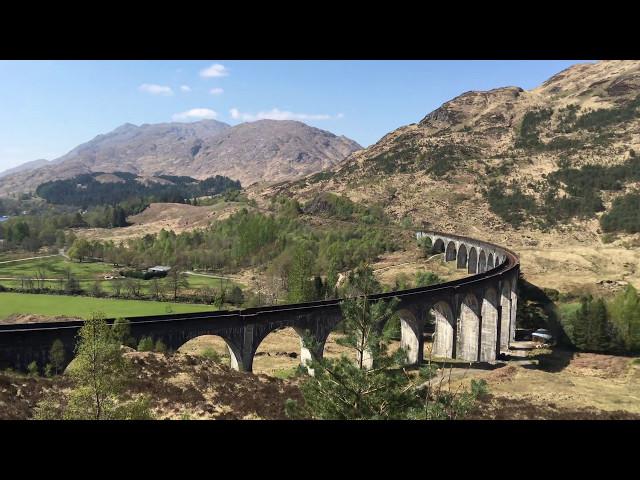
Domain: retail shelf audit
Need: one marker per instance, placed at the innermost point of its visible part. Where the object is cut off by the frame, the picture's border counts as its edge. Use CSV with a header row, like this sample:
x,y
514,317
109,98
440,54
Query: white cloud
x,y
215,70
216,91
185,88
277,114
195,114
154,89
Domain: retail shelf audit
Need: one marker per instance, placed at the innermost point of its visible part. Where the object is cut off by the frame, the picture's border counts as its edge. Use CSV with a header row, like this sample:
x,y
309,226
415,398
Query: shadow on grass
x,y
552,362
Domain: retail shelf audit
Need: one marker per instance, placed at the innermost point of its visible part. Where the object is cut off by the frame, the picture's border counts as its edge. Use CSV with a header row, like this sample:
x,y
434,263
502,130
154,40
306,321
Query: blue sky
x,y
49,107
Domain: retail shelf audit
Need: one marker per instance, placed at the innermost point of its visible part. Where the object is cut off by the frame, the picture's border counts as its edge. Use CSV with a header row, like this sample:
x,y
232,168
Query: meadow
x,y
83,307
87,273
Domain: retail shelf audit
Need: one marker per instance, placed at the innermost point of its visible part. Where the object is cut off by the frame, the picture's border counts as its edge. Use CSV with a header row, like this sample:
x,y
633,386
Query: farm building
x,y
160,269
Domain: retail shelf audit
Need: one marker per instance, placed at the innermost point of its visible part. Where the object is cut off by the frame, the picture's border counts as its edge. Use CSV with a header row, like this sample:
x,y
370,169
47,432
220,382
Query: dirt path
x,y
30,258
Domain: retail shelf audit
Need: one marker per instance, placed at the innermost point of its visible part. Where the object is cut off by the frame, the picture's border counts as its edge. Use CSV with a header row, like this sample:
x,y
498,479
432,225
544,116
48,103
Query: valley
x,y
267,215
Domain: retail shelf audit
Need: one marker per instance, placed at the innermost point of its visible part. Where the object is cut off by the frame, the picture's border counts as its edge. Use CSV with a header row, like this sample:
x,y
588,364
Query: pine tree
x,y
373,386
300,284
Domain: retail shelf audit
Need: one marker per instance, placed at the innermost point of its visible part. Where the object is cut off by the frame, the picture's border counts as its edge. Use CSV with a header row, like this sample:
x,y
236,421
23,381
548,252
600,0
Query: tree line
x,y
86,190
607,326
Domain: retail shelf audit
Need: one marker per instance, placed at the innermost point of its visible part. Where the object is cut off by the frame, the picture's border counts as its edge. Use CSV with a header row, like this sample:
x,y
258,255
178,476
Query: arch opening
x,y
462,256
489,330
443,337
482,262
213,347
438,246
280,353
451,252
468,329
490,261
473,261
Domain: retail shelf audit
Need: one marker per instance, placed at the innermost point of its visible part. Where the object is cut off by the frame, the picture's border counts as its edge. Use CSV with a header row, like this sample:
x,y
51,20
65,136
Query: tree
x,y
425,246
121,331
300,284
590,331
96,289
157,289
57,356
374,386
236,297
625,315
99,373
176,279
80,249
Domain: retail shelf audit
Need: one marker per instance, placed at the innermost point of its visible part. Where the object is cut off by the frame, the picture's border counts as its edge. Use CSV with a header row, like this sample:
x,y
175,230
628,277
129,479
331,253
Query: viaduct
x,y
474,317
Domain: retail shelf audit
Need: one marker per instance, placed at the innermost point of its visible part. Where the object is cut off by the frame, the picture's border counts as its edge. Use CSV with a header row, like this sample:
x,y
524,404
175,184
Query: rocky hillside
x,y
178,387
266,150
482,154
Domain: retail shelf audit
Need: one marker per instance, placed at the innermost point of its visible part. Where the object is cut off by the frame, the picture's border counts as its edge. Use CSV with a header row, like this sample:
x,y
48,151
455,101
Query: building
x,y
160,269
542,336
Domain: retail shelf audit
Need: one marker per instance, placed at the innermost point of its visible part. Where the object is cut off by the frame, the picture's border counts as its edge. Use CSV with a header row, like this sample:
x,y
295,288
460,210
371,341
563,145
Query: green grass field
x,y
83,307
54,267
87,273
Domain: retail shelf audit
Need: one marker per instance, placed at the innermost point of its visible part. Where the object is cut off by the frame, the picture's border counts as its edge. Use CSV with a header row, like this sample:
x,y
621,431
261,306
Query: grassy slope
x,y
83,306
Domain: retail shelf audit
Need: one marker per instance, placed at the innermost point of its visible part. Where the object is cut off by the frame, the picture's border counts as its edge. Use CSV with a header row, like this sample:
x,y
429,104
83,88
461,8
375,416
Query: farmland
x,y
56,268
83,307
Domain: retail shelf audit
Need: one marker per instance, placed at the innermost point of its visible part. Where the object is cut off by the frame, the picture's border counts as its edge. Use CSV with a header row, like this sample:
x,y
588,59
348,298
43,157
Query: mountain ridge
x,y
260,151
437,171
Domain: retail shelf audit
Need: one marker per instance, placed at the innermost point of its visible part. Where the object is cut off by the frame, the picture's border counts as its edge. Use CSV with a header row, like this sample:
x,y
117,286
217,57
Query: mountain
x,y
265,150
25,167
505,160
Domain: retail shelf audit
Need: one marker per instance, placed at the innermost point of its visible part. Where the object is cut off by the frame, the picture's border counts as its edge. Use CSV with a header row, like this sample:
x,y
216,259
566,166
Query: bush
x,y
160,347
210,354
33,370
146,344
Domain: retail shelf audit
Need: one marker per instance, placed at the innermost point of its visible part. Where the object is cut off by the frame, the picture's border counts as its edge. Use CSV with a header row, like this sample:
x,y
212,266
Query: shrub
x,y
210,354
160,347
145,344
33,370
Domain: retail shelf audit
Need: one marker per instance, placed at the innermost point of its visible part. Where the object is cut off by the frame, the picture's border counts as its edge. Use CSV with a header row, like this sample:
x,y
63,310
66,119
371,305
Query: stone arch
x,y
490,261
290,342
489,330
198,344
461,261
410,336
468,329
482,262
473,261
505,315
451,252
438,246
443,338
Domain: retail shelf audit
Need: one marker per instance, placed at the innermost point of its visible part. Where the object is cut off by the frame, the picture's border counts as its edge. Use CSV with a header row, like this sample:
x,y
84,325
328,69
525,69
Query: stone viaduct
x,y
474,316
